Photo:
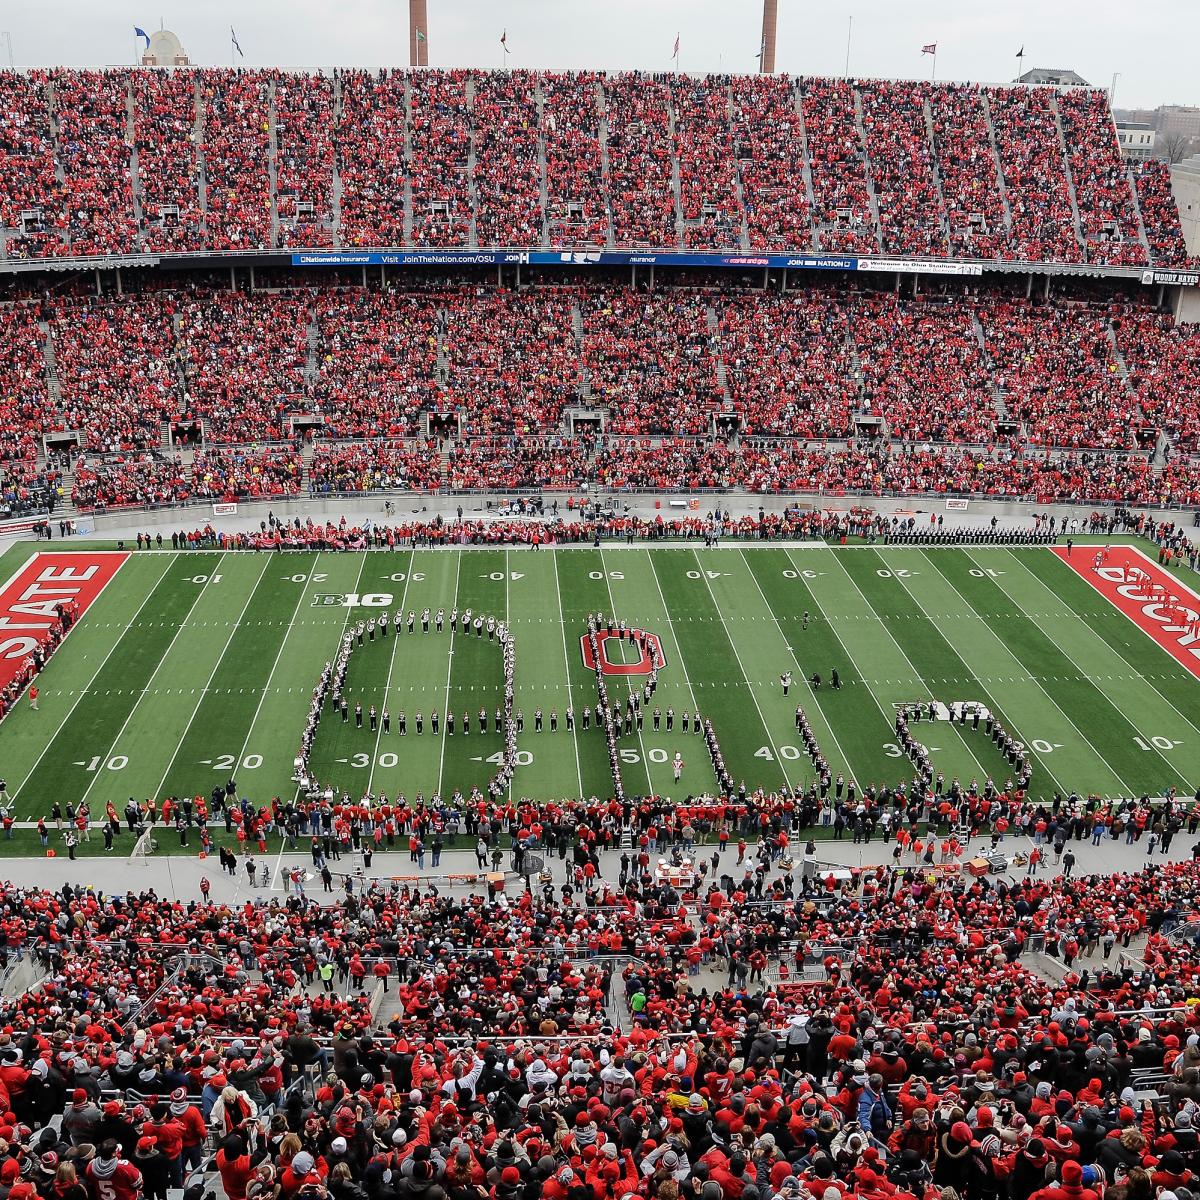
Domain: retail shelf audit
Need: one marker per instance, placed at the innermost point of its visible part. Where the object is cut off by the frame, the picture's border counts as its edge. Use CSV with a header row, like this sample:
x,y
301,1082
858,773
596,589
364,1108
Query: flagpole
x,y
933,73
849,31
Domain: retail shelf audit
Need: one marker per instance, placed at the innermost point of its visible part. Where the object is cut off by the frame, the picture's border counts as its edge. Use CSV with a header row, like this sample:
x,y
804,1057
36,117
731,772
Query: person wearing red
x,y
112,1177
233,1163
1070,1188
194,1129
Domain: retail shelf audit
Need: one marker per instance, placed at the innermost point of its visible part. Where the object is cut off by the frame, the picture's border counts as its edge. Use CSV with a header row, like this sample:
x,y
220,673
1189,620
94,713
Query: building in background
x,y
1052,77
165,50
1136,139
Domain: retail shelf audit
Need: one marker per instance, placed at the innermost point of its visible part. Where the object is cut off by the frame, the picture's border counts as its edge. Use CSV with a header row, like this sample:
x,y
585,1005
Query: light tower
x,y
770,20
418,33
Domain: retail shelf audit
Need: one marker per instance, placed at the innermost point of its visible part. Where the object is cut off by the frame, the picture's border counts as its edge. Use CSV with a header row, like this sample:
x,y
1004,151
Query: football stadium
x,y
597,633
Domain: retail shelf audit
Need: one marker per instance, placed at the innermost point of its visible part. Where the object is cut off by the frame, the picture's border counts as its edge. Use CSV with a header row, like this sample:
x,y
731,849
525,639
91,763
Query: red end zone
x,y
29,602
1158,603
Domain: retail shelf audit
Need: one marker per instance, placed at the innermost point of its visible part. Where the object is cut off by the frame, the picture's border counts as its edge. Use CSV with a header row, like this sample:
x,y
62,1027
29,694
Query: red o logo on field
x,y
647,645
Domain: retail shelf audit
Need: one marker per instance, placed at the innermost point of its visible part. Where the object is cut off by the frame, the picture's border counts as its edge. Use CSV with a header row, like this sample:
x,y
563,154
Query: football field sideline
x,y
191,668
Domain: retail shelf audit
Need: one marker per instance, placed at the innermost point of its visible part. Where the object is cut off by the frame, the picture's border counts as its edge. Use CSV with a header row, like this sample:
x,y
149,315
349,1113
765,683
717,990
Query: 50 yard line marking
x,y
641,740
449,668
158,667
567,668
95,675
211,676
387,687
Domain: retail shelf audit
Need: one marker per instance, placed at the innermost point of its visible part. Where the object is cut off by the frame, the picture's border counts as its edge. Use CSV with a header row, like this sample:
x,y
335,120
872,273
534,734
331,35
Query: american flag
x,y
931,48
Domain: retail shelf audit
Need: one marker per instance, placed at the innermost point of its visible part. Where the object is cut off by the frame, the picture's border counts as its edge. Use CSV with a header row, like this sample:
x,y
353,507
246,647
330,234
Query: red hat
x,y
79,1096
510,1177
1126,1114
582,1119
1072,1173
146,1143
960,1131
22,1190
112,1108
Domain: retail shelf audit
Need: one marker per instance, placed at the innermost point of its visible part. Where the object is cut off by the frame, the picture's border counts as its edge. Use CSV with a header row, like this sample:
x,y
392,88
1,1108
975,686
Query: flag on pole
x,y
675,52
931,48
1021,52
762,49
142,34
504,42
420,35
236,45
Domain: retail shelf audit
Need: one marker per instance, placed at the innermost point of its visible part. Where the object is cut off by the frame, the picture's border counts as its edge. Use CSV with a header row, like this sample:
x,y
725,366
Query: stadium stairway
x,y
543,190
273,160
135,172
806,168
1137,211
335,187
739,191
472,189
676,191
998,402
53,385
605,174
872,199
927,112
1066,162
408,157
991,127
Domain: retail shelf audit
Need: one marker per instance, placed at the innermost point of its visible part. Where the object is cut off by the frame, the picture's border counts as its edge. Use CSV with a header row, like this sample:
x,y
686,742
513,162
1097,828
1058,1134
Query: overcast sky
x,y
1154,44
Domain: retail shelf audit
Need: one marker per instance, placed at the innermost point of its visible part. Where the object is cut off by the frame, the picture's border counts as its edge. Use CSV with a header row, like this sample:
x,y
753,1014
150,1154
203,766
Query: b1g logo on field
x,y
352,600
647,645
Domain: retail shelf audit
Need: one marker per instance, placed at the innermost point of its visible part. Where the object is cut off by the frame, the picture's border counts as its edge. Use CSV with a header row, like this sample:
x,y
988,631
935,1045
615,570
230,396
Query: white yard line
x,y
391,666
275,665
95,675
562,624
1087,741
165,655
641,741
799,666
912,666
761,716
211,676
986,692
449,668
888,719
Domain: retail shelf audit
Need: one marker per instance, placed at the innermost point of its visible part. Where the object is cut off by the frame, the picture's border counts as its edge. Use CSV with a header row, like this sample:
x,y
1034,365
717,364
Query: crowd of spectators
x,y
457,158
1031,158
912,215
168,160
842,210
236,146
625,1037
304,133
375,466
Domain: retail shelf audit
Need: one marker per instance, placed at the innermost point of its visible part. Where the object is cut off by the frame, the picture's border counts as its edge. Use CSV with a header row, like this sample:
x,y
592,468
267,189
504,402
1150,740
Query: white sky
x,y
1154,44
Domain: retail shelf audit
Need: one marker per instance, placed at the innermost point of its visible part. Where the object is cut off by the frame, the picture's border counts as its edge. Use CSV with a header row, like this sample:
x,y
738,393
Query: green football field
x,y
193,667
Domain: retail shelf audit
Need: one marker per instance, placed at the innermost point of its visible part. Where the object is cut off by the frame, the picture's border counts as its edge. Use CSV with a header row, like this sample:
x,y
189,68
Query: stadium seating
x,y
157,161
496,373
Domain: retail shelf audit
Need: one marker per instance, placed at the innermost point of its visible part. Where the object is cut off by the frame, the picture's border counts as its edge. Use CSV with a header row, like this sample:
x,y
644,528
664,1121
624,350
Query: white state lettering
x,y
1112,574
44,608
35,589
1155,612
18,647
64,574
6,623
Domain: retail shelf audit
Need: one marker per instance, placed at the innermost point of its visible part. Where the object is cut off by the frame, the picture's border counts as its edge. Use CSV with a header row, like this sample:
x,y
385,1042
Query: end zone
x,y
1163,607
30,600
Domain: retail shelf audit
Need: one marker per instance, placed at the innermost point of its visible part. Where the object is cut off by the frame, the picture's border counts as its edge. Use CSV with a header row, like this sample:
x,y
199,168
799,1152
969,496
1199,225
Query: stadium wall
x,y
644,504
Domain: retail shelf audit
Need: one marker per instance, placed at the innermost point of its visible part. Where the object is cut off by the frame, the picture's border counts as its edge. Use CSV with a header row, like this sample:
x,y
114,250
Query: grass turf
x,y
193,667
